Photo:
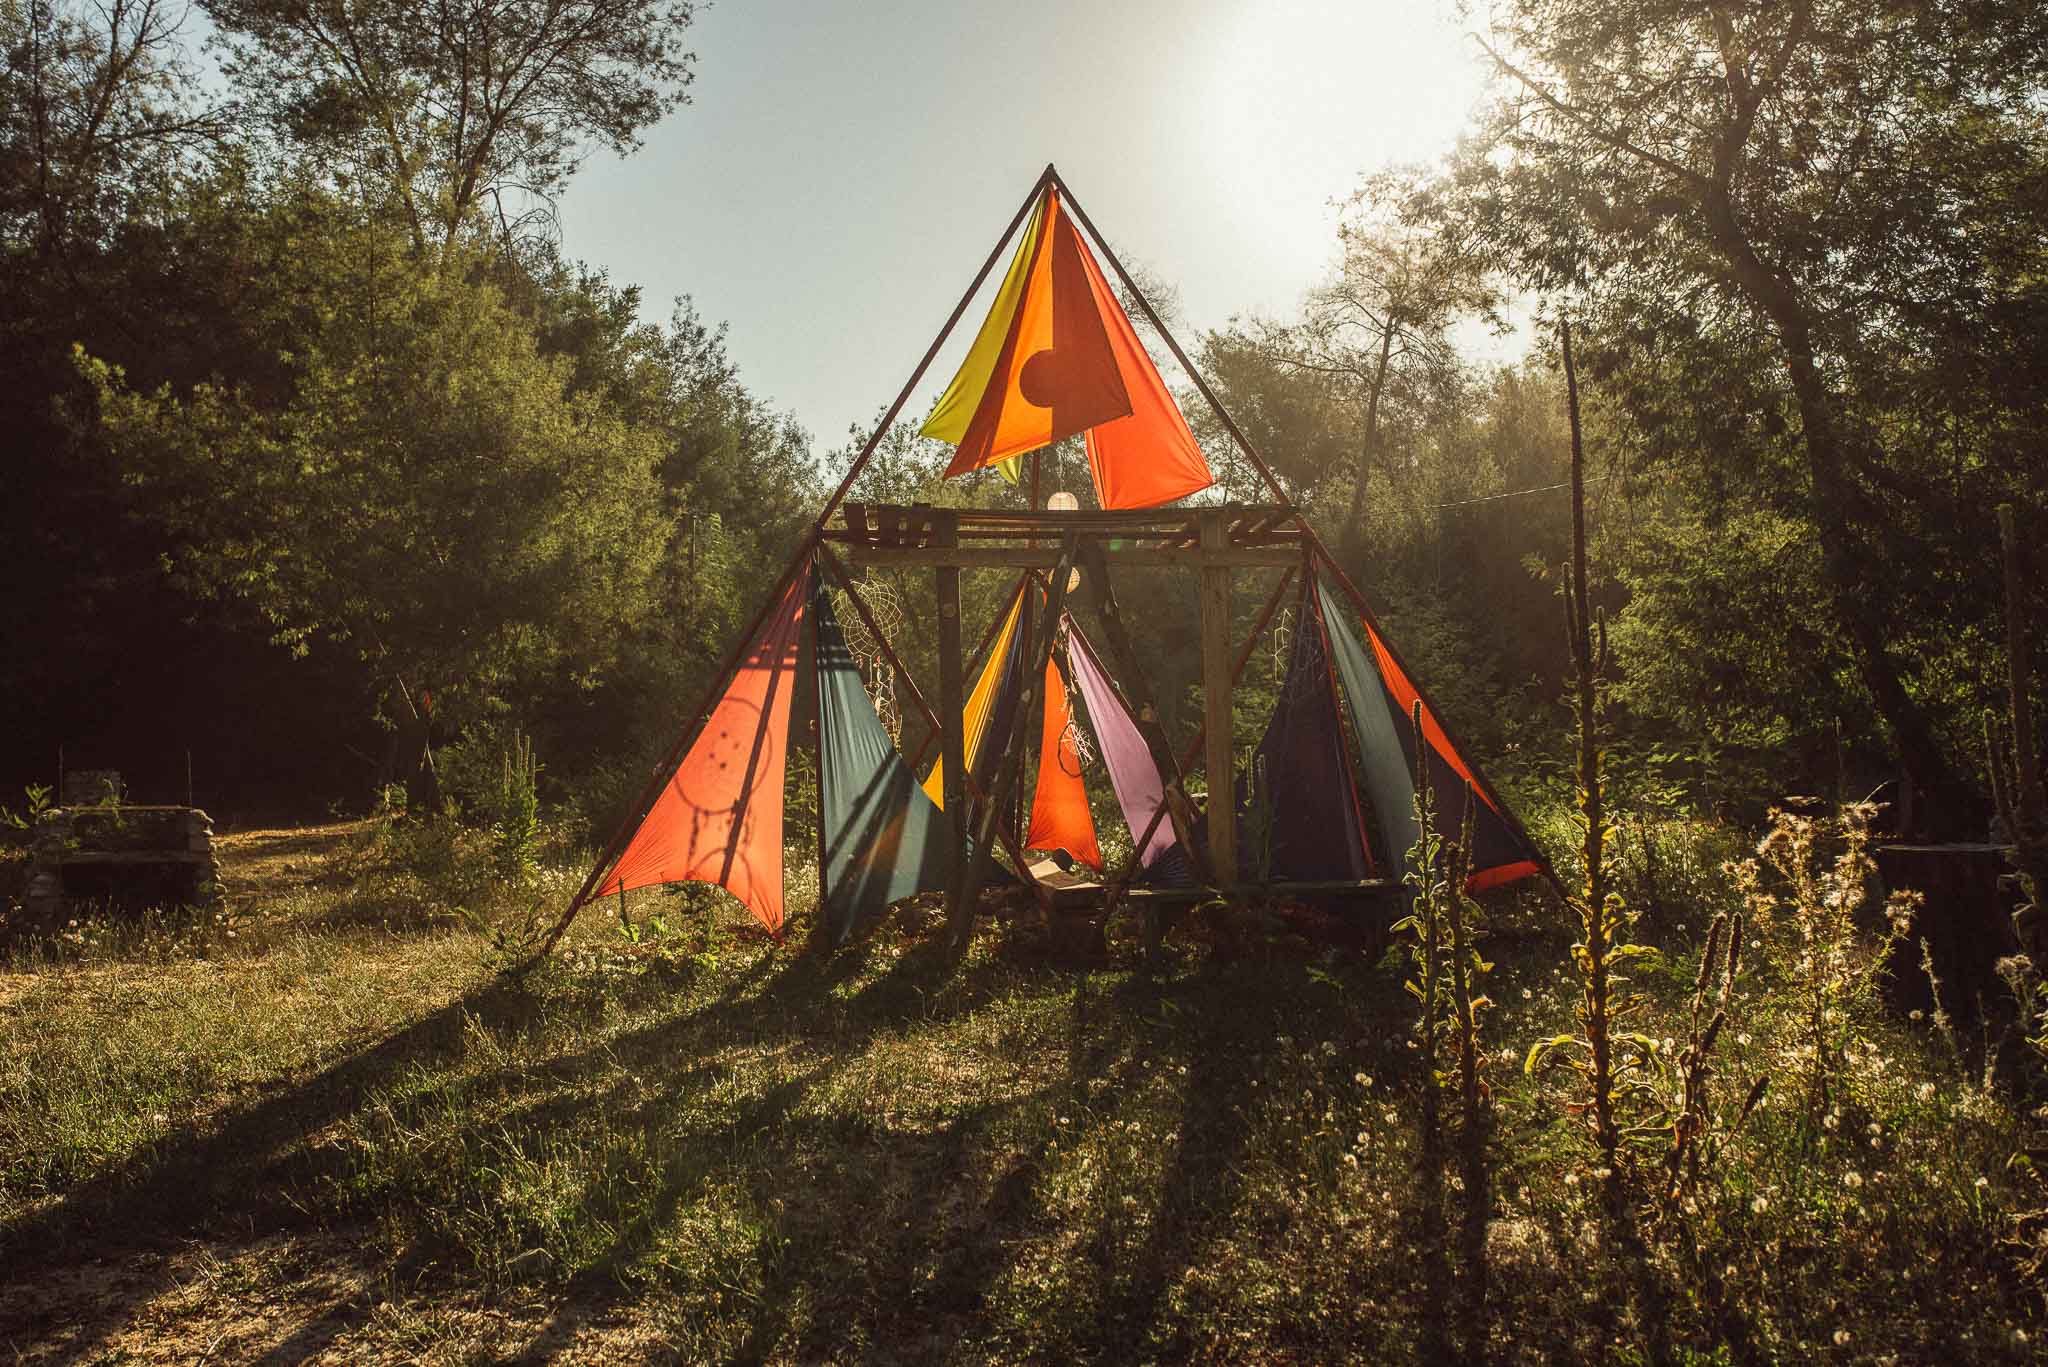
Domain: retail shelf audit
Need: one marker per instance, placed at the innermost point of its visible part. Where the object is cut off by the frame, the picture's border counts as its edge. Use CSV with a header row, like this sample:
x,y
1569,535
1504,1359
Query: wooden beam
x,y
952,736
1275,557
1216,691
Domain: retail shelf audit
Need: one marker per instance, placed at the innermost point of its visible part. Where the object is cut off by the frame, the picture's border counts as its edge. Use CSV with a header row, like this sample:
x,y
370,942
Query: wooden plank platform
x,y
1257,537
1081,890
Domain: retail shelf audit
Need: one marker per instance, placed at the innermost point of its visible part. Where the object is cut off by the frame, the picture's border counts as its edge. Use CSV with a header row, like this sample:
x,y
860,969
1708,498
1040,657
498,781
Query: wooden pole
x,y
952,735
1194,749
1216,699
2028,805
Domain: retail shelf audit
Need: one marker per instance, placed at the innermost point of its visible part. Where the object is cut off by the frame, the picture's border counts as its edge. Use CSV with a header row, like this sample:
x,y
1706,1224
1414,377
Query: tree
x,y
95,107
446,109
1836,181
1381,327
430,493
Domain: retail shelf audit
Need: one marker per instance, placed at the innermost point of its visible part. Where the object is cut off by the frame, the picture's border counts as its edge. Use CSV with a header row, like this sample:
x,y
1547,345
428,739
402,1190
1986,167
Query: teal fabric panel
x,y
1383,759
884,840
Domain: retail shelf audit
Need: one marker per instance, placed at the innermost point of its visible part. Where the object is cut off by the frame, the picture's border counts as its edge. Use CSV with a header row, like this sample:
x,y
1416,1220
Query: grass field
x,y
322,1126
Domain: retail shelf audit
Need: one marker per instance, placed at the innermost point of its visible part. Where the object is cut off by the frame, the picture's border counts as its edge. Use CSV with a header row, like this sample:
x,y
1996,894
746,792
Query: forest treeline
x,y
320,442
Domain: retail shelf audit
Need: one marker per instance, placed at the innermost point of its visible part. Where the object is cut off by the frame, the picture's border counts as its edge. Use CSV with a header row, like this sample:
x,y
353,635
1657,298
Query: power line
x,y
1516,493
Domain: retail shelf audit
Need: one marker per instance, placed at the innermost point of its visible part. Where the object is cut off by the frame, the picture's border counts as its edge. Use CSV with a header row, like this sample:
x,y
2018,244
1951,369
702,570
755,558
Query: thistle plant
x,y
1821,876
1424,925
517,828
1619,1067
1442,928
1695,1139
1475,1104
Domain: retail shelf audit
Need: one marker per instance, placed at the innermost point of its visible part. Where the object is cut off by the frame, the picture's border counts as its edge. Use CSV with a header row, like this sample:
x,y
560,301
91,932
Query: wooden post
x,y
2027,805
1216,719
952,737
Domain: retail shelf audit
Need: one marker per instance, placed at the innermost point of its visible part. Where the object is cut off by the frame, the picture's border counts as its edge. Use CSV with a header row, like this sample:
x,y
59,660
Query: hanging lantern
x,y
1062,502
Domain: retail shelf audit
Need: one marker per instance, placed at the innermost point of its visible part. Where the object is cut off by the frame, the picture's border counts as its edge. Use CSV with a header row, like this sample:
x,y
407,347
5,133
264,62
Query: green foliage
x,y
489,109
432,493
16,828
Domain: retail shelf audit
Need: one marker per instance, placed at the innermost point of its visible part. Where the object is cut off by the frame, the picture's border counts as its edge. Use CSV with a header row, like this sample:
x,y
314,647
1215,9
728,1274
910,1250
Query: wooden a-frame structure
x,y
1045,546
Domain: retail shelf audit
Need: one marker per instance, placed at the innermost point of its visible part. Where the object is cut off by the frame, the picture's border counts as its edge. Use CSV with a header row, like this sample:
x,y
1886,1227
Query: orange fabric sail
x,y
1149,457
1060,819
1043,366
719,817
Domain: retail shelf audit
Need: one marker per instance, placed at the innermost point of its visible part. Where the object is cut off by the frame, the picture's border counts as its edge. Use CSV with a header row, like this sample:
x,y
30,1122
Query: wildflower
x,y
1603,1173
1527,995
1759,1206
1571,1179
1743,1039
1362,1079
1981,1183
1917,1015
1842,1336
1924,1092
1832,1122
1351,1160
1852,1180
1728,1271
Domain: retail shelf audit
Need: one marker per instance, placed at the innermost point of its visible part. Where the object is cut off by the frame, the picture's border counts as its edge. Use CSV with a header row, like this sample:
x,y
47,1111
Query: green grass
x,y
706,1147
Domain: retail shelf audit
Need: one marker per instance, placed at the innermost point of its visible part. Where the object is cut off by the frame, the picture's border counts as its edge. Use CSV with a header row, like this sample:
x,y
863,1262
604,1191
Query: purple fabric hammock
x,y
1140,791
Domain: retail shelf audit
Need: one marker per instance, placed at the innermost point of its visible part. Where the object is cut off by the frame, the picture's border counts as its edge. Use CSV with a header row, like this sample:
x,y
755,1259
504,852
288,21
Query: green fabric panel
x,y
884,839
1383,759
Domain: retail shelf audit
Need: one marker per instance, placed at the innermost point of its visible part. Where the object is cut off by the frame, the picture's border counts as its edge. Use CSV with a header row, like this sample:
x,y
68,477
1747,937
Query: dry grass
x,y
339,1136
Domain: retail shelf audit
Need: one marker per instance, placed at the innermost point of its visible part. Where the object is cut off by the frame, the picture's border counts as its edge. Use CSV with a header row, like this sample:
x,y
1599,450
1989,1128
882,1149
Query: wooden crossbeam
x,y
1188,557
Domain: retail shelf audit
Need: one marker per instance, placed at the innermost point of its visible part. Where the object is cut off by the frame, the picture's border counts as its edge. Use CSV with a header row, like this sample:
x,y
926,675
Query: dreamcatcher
x,y
875,672
1074,740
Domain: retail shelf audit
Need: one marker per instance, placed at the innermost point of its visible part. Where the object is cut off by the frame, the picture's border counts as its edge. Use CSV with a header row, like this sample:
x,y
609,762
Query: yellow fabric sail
x,y
1043,365
956,406
974,716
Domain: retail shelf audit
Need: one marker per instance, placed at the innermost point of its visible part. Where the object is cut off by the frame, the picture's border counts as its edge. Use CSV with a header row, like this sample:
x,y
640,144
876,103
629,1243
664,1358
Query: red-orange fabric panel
x,y
1149,457
1501,874
1057,373
719,817
1060,819
1432,730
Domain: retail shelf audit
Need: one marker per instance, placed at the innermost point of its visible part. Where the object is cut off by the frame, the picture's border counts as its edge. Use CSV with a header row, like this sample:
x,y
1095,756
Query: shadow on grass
x,y
883,1233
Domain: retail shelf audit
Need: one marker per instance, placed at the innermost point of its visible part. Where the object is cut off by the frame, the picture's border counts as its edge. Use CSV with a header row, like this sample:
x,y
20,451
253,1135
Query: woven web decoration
x,y
876,675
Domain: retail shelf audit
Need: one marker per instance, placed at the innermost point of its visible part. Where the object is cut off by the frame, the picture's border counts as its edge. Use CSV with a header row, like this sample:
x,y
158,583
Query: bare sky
x,y
844,167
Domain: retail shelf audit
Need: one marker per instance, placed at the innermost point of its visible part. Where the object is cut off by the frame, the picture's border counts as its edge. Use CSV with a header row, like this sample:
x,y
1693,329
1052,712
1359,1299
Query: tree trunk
x,y
1353,530
1846,565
